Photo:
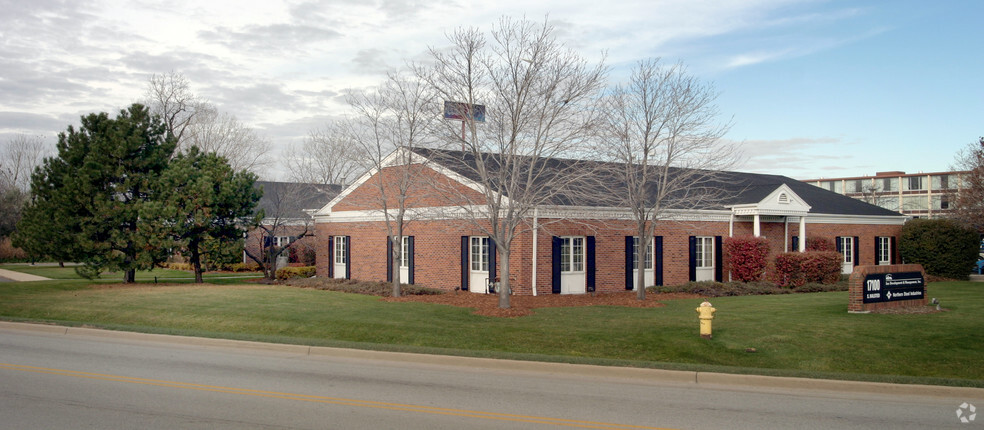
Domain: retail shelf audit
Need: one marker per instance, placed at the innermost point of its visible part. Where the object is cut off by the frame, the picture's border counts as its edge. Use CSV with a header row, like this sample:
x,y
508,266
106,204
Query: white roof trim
x,y
782,201
392,160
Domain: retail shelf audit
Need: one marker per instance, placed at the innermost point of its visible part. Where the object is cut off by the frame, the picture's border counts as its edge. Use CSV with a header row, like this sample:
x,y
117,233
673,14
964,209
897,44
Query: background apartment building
x,y
920,195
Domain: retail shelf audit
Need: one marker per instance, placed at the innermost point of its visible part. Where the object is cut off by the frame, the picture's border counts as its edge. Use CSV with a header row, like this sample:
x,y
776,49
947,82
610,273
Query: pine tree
x,y
89,197
203,206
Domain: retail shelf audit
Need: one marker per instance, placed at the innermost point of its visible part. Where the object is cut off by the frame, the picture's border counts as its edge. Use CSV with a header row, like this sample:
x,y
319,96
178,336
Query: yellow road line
x,y
331,400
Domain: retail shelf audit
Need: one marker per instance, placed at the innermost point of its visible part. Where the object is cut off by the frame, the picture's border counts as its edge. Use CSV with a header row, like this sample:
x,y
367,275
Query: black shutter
x,y
693,259
331,256
857,248
590,264
658,259
629,240
464,263
555,264
796,244
718,259
491,260
389,259
837,244
410,259
348,257
876,250
891,246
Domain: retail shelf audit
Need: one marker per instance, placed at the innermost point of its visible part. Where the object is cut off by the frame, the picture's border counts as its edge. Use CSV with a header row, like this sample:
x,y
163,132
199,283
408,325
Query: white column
x,y
731,225
758,226
802,235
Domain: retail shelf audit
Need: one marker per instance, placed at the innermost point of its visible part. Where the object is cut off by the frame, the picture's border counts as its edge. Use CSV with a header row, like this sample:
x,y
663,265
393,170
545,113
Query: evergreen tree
x,y
203,206
94,191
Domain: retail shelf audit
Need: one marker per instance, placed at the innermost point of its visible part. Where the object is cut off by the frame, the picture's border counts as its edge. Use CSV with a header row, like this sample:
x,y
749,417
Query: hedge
x,y
942,246
747,257
296,272
795,269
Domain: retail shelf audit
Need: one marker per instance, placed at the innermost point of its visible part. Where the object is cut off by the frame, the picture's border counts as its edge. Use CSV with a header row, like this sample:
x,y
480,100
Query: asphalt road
x,y
63,379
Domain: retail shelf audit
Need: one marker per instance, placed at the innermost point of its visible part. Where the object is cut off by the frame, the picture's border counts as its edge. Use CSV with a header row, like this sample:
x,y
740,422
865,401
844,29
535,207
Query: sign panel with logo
x,y
891,287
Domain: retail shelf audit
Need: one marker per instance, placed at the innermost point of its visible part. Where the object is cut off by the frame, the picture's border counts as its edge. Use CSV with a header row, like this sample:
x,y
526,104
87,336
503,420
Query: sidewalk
x,y
20,277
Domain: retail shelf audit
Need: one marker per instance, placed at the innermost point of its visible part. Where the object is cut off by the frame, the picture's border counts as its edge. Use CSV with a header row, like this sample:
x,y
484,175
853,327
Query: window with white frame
x,y
480,254
572,254
282,241
405,252
705,252
847,248
648,263
341,242
884,250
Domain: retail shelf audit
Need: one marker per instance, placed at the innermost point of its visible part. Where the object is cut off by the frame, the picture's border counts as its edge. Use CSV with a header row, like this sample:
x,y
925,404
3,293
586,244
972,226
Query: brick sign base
x,y
903,295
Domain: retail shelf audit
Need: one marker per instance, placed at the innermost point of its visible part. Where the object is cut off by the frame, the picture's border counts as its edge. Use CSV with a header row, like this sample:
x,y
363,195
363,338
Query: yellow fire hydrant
x,y
705,312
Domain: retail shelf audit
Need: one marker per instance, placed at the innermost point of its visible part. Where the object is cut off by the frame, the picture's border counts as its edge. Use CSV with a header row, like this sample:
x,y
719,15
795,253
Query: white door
x,y
647,265
705,258
572,274
847,249
340,259
405,260
478,264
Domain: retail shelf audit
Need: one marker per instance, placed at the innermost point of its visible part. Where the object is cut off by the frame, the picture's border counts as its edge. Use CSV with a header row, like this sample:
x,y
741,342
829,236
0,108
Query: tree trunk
x,y
504,287
196,262
130,276
395,251
641,257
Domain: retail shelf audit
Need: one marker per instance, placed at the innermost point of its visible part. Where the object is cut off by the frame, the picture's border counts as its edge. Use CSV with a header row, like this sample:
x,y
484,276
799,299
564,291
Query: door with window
x,y
648,265
704,258
405,259
478,262
340,257
845,245
573,276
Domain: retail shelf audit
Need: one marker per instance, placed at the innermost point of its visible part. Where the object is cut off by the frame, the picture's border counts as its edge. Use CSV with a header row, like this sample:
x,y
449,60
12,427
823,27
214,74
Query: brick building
x,y
586,247
287,208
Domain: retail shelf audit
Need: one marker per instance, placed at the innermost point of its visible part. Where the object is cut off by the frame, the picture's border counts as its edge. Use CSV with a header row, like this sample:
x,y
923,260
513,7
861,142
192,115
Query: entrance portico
x,y
782,202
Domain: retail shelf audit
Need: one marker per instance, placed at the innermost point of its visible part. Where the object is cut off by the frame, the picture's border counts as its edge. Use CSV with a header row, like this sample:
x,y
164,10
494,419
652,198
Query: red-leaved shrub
x,y
747,257
820,244
793,269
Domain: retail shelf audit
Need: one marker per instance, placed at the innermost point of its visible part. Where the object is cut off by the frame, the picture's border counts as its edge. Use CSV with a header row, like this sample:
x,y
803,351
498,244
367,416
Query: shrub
x,y
295,272
243,267
382,289
943,247
9,253
795,269
747,257
820,244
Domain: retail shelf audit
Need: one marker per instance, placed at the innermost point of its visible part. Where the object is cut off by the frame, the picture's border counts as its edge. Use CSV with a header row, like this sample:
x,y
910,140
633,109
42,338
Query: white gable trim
x,y
781,202
393,159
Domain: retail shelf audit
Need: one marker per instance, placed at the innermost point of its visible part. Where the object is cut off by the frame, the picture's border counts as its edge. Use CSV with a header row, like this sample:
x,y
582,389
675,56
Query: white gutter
x,y
535,228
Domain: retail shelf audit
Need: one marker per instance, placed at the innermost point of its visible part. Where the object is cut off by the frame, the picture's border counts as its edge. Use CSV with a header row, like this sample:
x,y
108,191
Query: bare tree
x,y
327,156
663,136
169,95
193,121
223,134
18,158
968,200
540,103
284,223
391,123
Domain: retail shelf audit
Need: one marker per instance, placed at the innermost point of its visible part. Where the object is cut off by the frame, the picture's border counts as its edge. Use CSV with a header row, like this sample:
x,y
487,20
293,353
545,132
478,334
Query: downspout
x,y
535,228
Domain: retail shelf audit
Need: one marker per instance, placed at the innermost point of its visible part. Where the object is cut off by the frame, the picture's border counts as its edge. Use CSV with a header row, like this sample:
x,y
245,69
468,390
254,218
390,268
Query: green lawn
x,y
162,275
799,334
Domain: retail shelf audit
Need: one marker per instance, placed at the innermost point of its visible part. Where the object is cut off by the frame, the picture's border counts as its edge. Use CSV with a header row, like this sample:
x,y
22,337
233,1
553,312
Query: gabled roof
x,y
737,188
292,199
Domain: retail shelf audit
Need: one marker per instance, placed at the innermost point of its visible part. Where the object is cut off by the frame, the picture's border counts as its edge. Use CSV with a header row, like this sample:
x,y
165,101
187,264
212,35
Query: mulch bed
x,y
488,304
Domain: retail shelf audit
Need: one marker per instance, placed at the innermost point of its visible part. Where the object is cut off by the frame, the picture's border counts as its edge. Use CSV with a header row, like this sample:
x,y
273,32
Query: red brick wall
x,y
426,188
437,248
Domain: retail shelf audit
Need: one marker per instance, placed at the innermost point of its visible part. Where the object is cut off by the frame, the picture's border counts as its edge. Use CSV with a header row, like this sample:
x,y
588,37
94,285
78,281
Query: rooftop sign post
x,y
464,111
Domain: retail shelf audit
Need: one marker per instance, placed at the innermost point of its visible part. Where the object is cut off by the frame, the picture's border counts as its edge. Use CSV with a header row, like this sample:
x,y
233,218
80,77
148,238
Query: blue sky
x,y
813,88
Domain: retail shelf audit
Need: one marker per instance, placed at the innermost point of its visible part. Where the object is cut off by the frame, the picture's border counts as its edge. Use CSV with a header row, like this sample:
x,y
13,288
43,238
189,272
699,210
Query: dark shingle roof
x,y
736,188
291,199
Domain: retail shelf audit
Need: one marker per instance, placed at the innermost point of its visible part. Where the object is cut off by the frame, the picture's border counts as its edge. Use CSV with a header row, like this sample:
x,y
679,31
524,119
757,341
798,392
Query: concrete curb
x,y
21,277
637,375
